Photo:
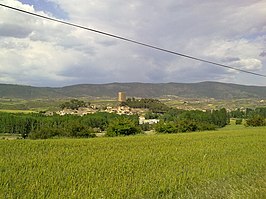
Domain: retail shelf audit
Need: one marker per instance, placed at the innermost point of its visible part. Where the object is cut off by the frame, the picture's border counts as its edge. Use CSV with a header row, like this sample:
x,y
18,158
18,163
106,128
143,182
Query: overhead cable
x,y
131,40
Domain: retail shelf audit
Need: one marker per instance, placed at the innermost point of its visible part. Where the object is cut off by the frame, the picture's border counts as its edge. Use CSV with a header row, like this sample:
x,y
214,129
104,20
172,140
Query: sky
x,y
38,52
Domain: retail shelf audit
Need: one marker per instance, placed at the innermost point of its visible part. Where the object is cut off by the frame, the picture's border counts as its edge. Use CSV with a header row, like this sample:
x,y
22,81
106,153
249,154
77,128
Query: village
x,y
120,109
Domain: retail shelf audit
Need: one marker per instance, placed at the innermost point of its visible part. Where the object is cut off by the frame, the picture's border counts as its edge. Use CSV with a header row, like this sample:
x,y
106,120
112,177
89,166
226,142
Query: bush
x,y
122,126
44,133
204,126
76,129
187,126
73,129
239,121
146,127
256,120
168,127
183,125
74,104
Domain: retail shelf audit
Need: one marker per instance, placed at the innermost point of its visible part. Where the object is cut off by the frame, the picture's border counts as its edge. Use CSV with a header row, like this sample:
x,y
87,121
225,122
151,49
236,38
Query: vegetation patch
x,y
220,164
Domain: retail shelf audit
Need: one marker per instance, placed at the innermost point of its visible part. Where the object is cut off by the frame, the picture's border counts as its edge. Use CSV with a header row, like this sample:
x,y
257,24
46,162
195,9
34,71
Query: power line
x,y
131,40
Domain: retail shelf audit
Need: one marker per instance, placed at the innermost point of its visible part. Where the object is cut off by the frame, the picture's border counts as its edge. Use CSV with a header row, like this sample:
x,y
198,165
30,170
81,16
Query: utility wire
x,y
131,41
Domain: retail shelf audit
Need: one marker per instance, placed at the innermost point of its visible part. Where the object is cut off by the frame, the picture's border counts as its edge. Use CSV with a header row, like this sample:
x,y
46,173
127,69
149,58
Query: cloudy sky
x,y
38,52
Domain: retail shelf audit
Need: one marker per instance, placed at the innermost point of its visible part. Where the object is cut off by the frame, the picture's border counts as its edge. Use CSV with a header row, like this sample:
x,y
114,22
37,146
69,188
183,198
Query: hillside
x,y
146,90
27,92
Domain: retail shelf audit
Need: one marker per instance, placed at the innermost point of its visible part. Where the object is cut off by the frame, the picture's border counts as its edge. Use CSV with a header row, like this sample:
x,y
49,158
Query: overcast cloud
x,y
38,52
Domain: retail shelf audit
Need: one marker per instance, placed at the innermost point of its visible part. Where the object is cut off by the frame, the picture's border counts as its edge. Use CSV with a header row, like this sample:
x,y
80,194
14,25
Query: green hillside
x,y
27,92
145,90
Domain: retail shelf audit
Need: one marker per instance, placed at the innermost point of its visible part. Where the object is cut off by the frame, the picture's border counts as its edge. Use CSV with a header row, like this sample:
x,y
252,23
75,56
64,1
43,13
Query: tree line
x,y
39,126
248,113
253,117
153,105
175,121
74,104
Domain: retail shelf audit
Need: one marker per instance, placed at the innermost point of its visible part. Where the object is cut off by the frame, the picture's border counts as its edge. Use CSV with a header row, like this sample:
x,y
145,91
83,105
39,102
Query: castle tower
x,y
121,97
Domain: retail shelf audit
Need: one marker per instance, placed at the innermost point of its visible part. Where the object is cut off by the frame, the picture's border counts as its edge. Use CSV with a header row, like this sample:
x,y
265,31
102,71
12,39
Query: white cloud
x,y
39,52
250,64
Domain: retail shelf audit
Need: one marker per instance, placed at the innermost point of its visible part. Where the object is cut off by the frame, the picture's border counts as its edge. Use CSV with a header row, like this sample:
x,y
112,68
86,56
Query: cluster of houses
x,y
81,111
120,110
125,110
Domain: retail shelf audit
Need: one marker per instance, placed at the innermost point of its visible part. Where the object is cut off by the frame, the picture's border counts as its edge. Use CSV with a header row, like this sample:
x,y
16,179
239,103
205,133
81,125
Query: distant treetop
x,y
74,104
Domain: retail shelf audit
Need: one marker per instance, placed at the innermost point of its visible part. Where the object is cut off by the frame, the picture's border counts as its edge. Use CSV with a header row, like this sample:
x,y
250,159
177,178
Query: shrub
x,y
76,129
122,126
256,120
44,133
239,121
146,127
168,127
74,104
183,125
187,126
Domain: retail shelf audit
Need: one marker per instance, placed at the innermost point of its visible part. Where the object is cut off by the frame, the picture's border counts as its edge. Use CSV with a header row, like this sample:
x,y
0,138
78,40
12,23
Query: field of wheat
x,y
217,164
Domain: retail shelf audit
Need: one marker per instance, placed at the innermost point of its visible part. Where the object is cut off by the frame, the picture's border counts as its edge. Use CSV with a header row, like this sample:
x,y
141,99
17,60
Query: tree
x,y
122,126
75,129
44,133
237,114
153,105
74,104
168,127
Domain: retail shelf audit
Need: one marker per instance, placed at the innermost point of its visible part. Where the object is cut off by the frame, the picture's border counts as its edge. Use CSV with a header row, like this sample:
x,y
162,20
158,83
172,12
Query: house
x,y
142,120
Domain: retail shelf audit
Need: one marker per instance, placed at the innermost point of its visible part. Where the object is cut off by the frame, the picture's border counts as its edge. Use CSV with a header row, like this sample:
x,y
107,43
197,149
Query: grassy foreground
x,y
221,164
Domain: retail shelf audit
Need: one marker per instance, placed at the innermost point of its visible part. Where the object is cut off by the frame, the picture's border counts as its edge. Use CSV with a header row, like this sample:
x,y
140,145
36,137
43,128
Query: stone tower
x,y
121,97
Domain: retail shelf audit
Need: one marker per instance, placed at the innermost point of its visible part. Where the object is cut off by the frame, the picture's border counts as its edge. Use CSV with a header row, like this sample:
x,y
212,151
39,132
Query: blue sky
x,y
47,6
38,52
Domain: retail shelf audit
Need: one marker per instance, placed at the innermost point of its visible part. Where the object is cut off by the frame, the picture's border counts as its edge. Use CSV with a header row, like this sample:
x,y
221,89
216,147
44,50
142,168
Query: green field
x,y
17,111
36,105
230,163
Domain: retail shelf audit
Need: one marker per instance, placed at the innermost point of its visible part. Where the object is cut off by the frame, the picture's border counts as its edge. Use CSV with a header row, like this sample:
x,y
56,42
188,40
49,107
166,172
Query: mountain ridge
x,y
216,90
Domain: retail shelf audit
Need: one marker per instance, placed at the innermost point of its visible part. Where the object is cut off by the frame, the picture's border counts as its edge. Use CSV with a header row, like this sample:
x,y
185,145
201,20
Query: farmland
x,y
43,104
228,163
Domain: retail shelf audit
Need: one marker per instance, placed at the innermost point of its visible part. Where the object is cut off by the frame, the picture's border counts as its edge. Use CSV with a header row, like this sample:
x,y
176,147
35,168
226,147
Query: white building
x,y
142,120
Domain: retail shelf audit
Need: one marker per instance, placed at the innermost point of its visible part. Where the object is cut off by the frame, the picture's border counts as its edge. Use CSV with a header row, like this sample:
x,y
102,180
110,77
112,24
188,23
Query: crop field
x,y
207,104
20,105
36,105
17,111
230,163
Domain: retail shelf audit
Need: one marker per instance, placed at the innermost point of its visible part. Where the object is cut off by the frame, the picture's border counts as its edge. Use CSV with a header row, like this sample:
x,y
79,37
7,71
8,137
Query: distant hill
x,y
214,90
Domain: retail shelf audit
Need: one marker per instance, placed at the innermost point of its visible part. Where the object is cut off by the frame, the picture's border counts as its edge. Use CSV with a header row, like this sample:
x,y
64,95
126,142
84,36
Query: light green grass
x,y
17,111
7,136
233,127
218,164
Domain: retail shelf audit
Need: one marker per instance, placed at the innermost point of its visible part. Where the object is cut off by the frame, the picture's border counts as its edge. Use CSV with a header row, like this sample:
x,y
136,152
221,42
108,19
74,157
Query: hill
x,y
214,90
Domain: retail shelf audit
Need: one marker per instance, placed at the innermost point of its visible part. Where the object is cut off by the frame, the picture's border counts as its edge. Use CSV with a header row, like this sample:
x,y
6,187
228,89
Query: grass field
x,y
37,105
230,163
17,111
